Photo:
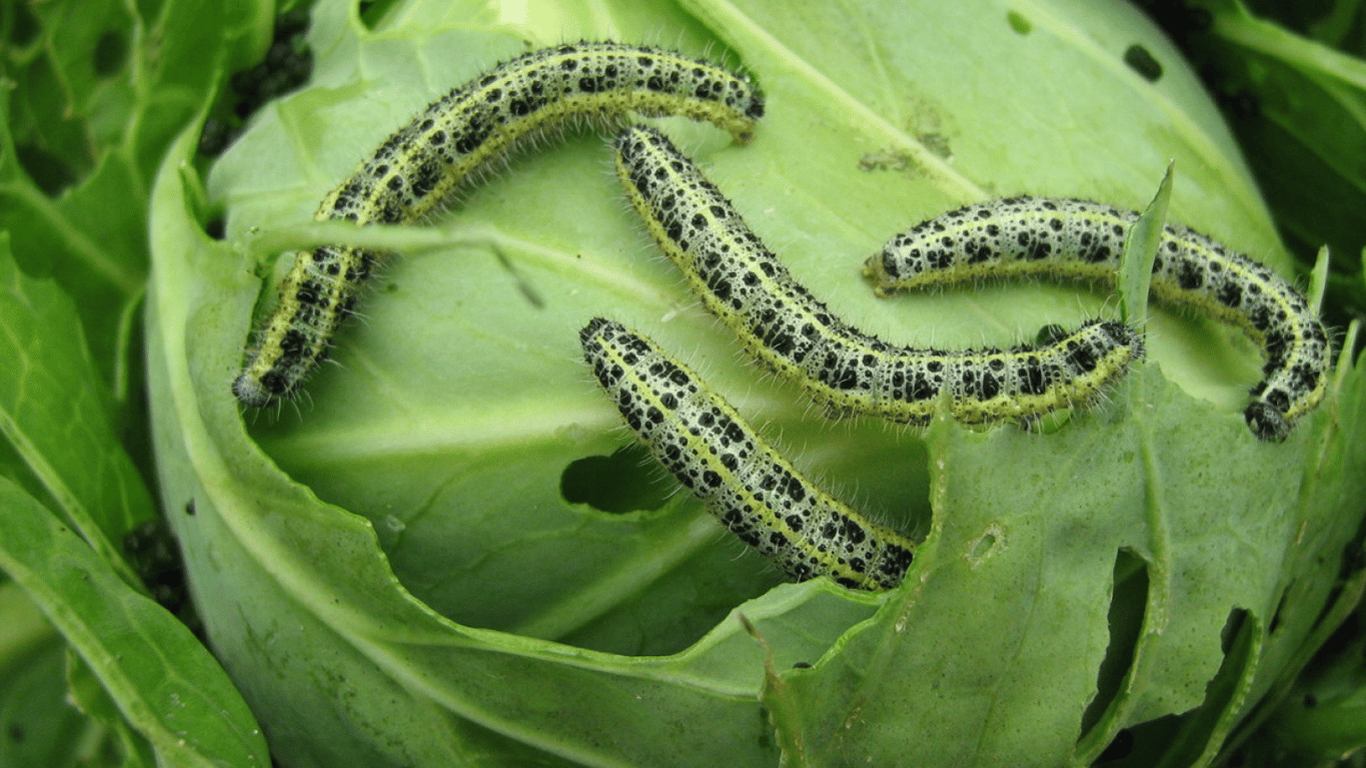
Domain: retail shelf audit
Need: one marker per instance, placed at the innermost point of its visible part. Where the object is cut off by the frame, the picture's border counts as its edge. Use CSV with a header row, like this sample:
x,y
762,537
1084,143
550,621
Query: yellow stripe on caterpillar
x,y
847,371
1082,240
744,481
474,125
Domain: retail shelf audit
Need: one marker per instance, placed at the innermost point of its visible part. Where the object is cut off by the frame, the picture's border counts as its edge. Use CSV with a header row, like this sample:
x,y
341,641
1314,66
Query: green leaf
x,y
390,571
165,682
1140,254
41,727
54,410
1324,718
84,128
1299,109
121,745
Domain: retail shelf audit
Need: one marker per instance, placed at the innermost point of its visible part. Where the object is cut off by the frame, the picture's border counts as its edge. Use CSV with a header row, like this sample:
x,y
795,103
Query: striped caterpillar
x,y
744,482
847,371
465,131
1080,240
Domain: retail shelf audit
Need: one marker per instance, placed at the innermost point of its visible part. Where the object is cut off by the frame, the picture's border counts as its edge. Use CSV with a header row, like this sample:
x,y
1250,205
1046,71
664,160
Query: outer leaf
x,y
1299,109
94,97
107,129
460,402
1324,720
166,683
41,727
121,745
54,411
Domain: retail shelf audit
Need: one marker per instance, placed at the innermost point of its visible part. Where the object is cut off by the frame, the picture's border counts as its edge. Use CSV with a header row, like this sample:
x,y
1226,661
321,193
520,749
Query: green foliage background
x,y
391,574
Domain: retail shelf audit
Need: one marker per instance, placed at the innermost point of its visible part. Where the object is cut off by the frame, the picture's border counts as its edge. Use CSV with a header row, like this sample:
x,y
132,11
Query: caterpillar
x,y
744,482
456,136
845,370
1082,240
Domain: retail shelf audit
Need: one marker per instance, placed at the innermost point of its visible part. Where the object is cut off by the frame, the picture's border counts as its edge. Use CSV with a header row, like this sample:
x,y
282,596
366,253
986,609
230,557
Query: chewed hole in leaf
x,y
1275,621
1143,745
1232,628
1183,739
1050,334
1119,747
991,543
1141,61
23,25
111,50
1128,605
372,12
620,483
49,172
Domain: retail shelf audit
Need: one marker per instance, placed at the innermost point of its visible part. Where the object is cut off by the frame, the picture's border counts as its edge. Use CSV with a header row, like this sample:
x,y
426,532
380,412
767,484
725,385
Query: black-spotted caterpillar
x,y
847,371
1080,240
474,125
745,483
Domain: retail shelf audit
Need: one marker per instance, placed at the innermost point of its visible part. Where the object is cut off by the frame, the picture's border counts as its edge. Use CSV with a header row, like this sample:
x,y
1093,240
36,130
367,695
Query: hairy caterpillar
x,y
1080,240
745,483
418,167
779,322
